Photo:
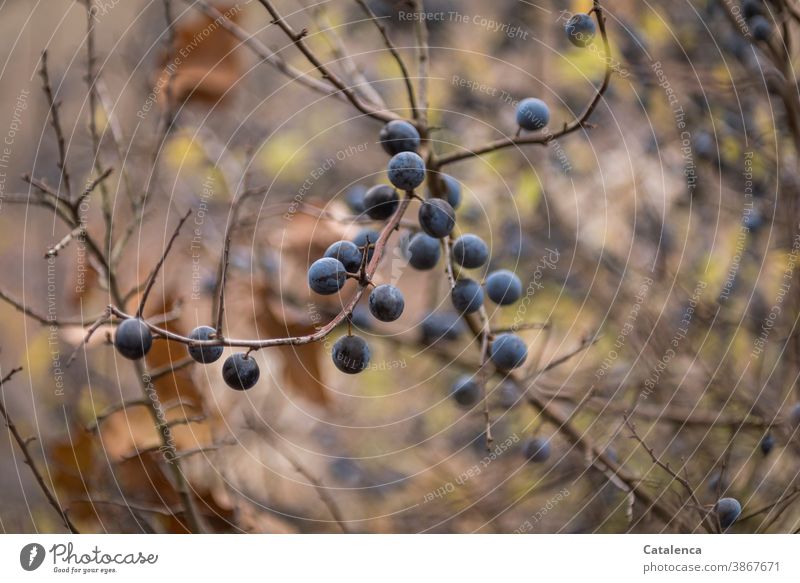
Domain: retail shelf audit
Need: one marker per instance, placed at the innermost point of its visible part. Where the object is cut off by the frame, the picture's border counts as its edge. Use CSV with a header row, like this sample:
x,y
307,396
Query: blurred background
x,y
659,245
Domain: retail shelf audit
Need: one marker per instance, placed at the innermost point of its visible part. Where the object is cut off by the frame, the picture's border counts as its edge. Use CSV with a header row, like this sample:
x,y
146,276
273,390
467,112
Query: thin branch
x,y
412,98
349,93
55,120
23,445
707,522
545,138
62,244
152,279
423,66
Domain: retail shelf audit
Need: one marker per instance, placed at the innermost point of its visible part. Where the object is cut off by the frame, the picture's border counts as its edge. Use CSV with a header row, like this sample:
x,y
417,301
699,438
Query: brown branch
x,y
412,98
55,121
545,138
152,279
297,39
23,446
423,66
704,516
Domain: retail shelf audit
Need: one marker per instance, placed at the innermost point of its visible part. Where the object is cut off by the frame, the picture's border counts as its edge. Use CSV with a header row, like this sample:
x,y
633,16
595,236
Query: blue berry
x,y
794,416
133,338
467,296
532,114
441,326
351,354
364,237
437,217
240,371
327,276
399,136
536,450
361,318
406,171
503,287
424,252
386,303
581,30
466,391
451,190
728,511
355,199
347,253
507,394
204,354
767,444
508,352
470,251
380,202
761,28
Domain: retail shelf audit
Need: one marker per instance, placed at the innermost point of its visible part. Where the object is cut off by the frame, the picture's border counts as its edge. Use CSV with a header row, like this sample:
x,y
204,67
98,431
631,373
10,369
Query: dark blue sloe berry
x,y
532,114
380,202
441,326
437,218
133,338
327,276
767,444
399,136
466,391
503,287
581,30
386,303
470,251
355,199
240,371
364,237
347,253
536,450
728,511
204,354
351,354
467,296
406,171
508,352
424,251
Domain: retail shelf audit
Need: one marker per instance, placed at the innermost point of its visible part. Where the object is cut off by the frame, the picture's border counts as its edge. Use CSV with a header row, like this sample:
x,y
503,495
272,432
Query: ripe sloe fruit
x,y
327,276
728,511
767,444
240,372
361,241
536,450
532,114
406,171
347,253
133,338
424,251
503,287
399,136
351,354
386,303
508,352
467,296
204,354
466,391
437,218
380,202
580,30
470,251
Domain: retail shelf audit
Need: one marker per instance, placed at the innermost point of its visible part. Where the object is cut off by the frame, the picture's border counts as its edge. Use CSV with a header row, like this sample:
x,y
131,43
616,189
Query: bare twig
x,y
23,446
55,120
151,280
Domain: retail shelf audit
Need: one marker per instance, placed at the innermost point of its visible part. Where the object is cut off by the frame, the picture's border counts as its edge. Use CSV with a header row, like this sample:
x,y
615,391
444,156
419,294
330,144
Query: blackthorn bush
x,y
347,253
532,114
380,202
470,251
424,251
503,287
581,30
399,136
386,303
728,511
406,171
509,352
467,296
327,276
437,218
351,354
466,391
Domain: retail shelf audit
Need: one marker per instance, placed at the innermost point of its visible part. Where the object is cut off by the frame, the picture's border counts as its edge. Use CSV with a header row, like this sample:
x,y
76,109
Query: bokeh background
x,y
659,245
